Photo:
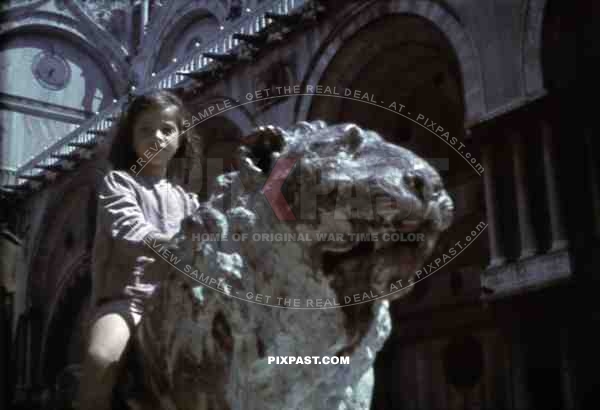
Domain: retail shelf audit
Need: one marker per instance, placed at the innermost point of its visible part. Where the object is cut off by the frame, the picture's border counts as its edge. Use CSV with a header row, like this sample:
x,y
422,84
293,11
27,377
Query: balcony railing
x,y
86,135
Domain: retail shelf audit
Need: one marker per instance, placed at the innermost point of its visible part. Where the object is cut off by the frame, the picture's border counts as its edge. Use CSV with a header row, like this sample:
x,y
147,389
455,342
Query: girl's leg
x,y
107,341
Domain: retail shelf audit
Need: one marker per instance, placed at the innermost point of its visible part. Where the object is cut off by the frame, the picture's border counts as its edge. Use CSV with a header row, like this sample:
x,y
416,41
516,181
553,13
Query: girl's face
x,y
156,135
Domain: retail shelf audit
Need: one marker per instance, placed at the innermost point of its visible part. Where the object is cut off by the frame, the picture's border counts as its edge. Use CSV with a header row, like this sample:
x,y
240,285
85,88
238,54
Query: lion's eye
x,y
410,180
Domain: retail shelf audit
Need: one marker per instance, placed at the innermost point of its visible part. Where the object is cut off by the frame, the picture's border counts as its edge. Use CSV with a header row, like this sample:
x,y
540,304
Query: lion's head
x,y
372,209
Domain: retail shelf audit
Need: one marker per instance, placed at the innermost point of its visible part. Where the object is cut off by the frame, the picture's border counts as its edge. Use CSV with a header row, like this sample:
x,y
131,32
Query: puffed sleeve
x,y
119,211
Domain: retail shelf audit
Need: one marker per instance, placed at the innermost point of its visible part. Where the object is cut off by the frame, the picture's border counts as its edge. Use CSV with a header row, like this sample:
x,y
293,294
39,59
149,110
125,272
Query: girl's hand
x,y
157,240
192,224
205,220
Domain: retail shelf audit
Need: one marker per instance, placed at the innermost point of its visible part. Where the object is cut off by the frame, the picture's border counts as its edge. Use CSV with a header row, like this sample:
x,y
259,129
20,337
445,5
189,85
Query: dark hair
x,y
122,153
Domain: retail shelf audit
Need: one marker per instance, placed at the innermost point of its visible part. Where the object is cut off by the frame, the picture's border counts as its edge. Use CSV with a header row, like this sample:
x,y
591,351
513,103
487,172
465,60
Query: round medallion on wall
x,y
51,70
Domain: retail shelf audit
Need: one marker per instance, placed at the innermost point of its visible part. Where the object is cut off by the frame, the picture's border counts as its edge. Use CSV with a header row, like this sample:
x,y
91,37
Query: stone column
x,y
566,370
594,184
10,251
5,339
526,232
557,230
144,14
130,35
496,254
519,371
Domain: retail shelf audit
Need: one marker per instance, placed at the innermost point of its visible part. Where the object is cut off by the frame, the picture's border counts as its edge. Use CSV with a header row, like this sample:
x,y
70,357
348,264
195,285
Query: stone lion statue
x,y
199,348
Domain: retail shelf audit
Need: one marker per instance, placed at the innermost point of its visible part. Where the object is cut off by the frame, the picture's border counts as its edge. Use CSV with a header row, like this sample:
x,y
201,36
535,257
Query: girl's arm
x,y
120,213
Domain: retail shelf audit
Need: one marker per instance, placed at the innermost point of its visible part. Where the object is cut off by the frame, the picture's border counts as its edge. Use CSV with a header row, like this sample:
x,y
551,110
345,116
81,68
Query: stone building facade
x,y
508,324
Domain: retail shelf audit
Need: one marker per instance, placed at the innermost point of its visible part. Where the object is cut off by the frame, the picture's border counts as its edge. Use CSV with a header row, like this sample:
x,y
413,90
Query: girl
x,y
136,204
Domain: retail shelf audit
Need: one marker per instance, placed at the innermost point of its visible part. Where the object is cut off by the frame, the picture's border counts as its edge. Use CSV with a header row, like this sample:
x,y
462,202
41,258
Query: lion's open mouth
x,y
389,253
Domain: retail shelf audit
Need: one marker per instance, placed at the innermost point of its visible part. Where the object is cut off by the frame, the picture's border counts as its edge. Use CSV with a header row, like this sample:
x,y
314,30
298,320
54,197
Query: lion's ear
x,y
353,137
263,146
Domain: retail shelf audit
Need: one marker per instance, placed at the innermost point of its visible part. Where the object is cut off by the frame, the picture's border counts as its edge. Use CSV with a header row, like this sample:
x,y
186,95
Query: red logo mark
x,y
272,188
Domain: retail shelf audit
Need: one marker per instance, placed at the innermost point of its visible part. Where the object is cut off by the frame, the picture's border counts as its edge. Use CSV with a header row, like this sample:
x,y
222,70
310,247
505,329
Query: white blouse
x,y
129,208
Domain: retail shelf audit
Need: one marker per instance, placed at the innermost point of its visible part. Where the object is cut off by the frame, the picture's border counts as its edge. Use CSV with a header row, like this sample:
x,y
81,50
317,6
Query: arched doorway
x,y
404,59
401,59
192,31
407,60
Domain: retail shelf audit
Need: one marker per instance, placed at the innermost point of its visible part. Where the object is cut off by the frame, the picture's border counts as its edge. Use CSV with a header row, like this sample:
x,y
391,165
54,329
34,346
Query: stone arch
x,y
447,23
172,23
110,60
422,59
398,59
48,244
107,84
532,47
240,117
83,83
54,268
63,329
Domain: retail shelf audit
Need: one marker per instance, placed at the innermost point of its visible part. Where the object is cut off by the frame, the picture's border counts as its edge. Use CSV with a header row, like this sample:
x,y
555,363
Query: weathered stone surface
x,y
203,348
531,273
